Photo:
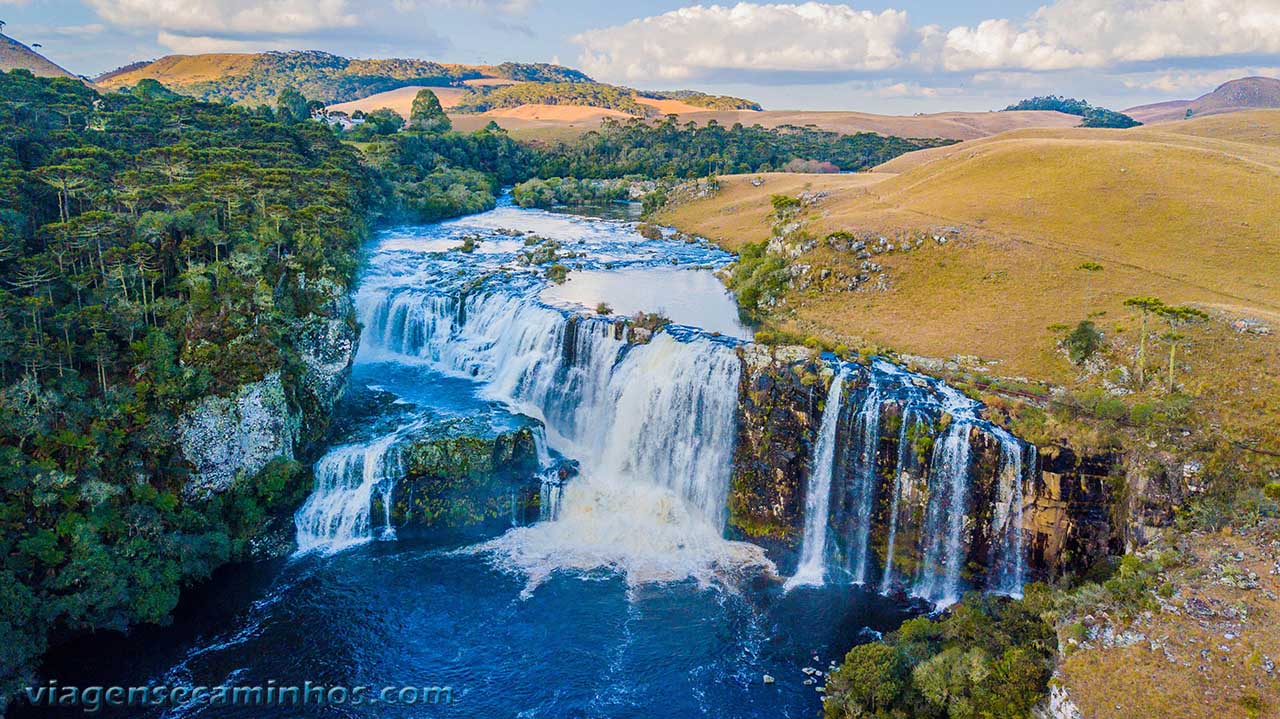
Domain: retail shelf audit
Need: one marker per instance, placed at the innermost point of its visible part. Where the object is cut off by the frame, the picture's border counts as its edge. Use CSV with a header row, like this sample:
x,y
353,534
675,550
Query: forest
x,y
329,78
668,148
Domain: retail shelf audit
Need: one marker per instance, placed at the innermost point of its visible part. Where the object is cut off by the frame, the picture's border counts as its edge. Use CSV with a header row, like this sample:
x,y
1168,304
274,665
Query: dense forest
x,y
157,249
702,99
591,94
667,148
154,249
1093,116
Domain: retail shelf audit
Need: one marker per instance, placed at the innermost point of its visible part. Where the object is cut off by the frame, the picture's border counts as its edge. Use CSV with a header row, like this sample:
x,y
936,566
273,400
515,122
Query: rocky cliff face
x,y
281,415
780,403
1071,513
1063,508
224,437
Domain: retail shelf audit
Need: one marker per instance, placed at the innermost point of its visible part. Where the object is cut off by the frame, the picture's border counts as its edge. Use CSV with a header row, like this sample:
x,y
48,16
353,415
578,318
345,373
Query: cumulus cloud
x,y
817,37
220,17
1099,33
694,40
1192,82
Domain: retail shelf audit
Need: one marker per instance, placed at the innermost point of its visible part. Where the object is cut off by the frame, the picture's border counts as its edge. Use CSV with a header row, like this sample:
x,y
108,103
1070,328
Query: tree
x,y
291,106
1177,316
1146,306
868,684
427,114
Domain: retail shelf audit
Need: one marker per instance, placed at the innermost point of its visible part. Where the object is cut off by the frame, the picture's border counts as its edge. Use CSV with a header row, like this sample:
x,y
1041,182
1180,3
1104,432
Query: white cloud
x,y
693,40
285,17
816,37
1191,82
1071,34
199,44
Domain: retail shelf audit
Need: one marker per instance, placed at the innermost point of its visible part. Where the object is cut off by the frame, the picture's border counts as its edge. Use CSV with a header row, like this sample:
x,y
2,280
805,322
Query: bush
x,y
1083,342
991,657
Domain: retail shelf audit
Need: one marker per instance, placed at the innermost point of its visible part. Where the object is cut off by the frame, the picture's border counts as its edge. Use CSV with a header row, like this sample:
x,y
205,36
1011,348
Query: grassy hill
x,y
1246,93
14,55
257,77
1185,213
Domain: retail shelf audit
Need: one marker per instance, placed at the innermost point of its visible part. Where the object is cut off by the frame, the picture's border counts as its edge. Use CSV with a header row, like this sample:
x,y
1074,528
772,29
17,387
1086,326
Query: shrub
x,y
1083,342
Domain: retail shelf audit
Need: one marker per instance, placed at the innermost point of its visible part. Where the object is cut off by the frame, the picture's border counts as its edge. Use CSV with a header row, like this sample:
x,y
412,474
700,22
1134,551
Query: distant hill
x,y
253,78
1246,93
14,55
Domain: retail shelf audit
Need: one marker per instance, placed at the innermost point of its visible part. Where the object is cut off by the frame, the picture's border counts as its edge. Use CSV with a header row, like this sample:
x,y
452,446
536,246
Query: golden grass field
x,y
1186,212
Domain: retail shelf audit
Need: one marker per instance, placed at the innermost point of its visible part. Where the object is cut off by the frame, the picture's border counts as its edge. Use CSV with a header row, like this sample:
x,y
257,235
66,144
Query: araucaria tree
x,y
427,114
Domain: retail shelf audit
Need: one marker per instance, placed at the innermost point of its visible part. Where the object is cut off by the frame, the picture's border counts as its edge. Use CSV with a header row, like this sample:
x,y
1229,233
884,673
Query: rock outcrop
x,y
460,475
224,437
780,403
1070,517
282,415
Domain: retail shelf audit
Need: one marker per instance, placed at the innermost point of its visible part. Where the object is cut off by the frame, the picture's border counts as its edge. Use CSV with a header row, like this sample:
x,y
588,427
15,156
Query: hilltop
x,y
258,77
1246,93
15,55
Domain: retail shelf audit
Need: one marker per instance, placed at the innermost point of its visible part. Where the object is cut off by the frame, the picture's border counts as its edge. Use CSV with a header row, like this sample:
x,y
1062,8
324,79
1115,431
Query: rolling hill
x,y
1026,210
15,55
1246,93
258,77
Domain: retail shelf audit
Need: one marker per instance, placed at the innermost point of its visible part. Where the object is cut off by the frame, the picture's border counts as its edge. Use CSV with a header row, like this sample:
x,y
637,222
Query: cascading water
x,y
1007,564
652,425
939,578
336,515
863,489
817,500
910,420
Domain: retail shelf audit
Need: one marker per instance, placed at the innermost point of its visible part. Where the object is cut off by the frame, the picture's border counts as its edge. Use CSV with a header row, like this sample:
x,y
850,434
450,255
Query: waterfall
x,y
653,426
944,542
817,500
905,454
1007,563
864,481
336,515
550,494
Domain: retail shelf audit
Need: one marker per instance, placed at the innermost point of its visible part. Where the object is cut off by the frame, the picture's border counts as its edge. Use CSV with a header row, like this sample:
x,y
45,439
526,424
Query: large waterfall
x,y
651,424
817,502
862,491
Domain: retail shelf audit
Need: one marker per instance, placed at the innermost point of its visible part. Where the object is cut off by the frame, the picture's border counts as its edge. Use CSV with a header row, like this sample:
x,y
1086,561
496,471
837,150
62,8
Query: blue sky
x,y
896,56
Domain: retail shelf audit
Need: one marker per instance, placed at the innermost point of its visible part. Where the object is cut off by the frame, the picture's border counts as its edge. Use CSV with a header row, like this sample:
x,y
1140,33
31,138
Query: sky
x,y
888,56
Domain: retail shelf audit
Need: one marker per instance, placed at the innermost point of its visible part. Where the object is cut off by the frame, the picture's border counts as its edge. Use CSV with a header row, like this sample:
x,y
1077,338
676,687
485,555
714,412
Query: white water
x,y
865,479
1008,561
336,515
943,532
652,425
817,499
900,485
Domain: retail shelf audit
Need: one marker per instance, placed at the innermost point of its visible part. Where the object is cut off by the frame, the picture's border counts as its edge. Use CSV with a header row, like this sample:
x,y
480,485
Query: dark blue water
x,y
415,613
